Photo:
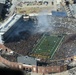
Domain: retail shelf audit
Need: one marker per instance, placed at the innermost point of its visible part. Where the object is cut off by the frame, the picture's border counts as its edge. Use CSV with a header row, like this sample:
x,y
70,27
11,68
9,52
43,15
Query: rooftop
x,y
26,60
2,1
6,25
1,7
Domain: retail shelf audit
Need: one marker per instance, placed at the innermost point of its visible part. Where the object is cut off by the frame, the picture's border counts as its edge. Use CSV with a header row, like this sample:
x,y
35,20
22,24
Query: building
x,y
27,60
4,8
74,1
7,27
2,3
33,68
72,9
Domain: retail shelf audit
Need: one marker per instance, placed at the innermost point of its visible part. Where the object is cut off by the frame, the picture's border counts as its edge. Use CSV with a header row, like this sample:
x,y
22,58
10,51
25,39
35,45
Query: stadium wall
x,y
34,68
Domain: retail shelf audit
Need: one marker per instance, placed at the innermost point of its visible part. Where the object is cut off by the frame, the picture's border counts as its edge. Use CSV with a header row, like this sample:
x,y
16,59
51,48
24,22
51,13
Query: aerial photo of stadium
x,y
44,49
39,42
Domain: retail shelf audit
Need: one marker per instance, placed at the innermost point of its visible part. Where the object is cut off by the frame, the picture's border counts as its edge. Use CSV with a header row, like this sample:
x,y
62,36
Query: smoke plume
x,y
43,23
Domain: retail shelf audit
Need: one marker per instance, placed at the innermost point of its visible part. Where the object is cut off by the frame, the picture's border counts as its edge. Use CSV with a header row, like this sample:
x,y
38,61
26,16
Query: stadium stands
x,y
67,49
24,47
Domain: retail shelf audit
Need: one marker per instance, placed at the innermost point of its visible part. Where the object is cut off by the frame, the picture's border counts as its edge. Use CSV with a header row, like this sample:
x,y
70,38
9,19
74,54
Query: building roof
x,y
2,1
26,60
36,0
73,9
1,7
9,23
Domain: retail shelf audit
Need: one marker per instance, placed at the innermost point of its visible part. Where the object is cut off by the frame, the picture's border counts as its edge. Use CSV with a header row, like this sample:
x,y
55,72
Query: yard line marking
x,y
54,45
57,47
41,42
38,43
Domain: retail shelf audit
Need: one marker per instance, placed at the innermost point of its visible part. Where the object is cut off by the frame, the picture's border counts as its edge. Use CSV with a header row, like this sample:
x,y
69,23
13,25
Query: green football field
x,y
48,45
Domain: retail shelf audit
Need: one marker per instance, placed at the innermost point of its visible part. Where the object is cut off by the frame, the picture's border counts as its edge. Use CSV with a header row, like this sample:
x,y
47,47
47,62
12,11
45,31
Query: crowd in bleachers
x,y
67,49
24,47
64,26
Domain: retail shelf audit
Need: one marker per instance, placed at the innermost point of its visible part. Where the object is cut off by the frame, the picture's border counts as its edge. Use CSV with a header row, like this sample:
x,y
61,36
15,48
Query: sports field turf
x,y
48,45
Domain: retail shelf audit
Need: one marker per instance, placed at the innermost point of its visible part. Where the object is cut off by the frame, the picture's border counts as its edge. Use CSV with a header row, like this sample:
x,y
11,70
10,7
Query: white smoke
x,y
14,4
12,9
44,24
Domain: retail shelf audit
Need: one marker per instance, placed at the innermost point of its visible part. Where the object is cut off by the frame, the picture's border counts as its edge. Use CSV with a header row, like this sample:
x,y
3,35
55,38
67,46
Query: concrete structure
x,y
68,7
7,27
73,9
2,3
36,6
27,60
34,68
1,8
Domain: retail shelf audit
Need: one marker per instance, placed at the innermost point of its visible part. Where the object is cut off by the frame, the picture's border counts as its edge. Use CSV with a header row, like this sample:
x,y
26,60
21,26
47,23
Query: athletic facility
x,y
31,51
47,46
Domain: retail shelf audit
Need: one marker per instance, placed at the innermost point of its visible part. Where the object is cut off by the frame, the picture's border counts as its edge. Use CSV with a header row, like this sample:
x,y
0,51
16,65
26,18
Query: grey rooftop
x,y
2,1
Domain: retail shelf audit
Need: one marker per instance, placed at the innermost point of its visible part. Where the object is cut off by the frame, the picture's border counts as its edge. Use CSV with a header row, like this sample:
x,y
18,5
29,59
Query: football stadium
x,y
38,46
38,37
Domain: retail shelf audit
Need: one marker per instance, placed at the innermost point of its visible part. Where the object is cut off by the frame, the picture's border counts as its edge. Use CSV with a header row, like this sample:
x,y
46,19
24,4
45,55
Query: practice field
x,y
47,46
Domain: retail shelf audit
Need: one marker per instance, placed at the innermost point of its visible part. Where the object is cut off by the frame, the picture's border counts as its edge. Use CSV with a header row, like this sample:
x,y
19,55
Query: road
x,y
14,4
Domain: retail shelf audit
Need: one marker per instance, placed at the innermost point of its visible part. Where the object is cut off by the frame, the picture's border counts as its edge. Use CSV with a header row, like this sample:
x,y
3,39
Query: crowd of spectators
x,y
67,49
24,46
64,25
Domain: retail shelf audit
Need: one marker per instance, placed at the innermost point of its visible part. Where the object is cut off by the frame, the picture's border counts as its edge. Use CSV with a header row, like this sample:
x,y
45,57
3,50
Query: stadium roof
x,y
9,23
26,60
